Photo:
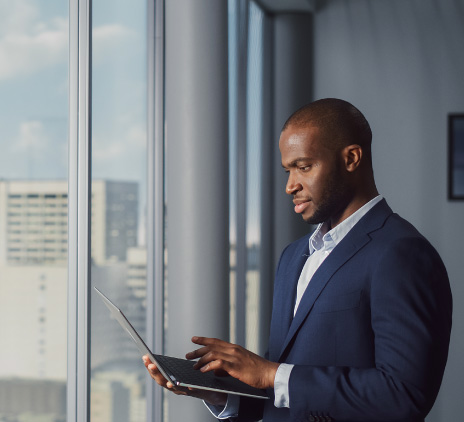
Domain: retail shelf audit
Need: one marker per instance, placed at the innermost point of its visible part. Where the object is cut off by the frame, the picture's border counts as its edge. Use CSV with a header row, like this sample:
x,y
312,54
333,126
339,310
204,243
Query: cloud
x,y
36,149
32,137
120,154
137,136
120,145
107,41
27,43
111,34
107,153
26,54
17,16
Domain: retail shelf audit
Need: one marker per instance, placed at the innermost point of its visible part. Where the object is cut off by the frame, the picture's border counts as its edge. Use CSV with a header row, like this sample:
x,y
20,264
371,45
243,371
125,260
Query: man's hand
x,y
212,397
220,356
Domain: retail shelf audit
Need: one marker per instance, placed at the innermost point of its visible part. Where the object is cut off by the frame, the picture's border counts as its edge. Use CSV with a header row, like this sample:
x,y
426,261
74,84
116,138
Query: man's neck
x,y
354,205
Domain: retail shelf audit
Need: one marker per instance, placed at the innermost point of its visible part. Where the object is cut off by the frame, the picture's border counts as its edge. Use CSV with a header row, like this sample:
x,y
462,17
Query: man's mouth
x,y
300,206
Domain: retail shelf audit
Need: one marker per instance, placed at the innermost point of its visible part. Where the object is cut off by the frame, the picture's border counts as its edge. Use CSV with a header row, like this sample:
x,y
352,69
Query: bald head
x,y
340,122
326,152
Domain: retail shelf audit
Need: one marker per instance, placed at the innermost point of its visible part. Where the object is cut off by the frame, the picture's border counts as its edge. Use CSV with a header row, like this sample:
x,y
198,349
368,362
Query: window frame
x,y
80,198
79,179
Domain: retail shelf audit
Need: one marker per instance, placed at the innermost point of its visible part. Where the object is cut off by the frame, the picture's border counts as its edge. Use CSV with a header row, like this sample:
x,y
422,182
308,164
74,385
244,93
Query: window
x,y
33,183
248,160
254,174
119,186
33,290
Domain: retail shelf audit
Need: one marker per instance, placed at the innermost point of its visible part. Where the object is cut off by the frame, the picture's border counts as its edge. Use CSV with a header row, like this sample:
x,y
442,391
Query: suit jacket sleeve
x,y
410,303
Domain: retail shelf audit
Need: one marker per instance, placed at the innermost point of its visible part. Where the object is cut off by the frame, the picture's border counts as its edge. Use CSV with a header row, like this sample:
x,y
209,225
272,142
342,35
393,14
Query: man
x,y
361,316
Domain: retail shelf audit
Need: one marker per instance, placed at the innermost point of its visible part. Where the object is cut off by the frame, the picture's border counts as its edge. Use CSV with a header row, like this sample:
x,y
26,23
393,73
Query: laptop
x,y
180,371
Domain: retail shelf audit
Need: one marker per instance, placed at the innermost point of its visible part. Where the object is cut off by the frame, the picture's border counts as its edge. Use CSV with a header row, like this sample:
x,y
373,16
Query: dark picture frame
x,y
456,156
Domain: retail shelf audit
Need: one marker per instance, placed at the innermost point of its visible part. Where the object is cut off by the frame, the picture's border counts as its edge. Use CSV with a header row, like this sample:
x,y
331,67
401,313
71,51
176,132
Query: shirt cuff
x,y
281,381
229,411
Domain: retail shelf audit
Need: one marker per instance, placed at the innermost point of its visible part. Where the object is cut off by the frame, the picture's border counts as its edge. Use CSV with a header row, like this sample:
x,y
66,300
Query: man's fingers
x,y
203,341
209,396
216,361
158,376
215,365
162,381
198,353
211,345
207,341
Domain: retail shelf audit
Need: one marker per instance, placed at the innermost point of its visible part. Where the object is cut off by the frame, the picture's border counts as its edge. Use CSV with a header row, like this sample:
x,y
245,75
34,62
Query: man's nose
x,y
293,186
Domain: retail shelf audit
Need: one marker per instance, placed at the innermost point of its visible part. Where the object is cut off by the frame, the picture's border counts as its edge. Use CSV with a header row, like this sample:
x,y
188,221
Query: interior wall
x,y
401,62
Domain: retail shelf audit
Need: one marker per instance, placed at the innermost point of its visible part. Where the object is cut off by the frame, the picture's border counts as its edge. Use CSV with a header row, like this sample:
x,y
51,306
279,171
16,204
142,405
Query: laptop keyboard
x,y
181,371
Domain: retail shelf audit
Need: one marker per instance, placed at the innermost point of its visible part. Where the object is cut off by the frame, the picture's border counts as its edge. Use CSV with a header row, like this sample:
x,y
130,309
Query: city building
x,y
34,215
34,298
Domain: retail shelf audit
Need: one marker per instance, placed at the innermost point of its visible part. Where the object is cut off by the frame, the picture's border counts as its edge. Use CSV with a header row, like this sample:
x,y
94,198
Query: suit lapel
x,y
349,246
284,299
289,299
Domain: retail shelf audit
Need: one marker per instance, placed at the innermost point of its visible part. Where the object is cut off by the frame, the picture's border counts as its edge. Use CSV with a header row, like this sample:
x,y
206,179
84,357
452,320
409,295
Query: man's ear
x,y
352,155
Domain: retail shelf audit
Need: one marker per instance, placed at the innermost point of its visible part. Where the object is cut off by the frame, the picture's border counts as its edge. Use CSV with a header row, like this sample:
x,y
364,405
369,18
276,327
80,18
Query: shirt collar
x,y
327,240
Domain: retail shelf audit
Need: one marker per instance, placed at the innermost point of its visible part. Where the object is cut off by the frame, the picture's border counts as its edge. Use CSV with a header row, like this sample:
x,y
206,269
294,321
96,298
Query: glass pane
x,y
233,122
119,150
251,216
254,172
33,209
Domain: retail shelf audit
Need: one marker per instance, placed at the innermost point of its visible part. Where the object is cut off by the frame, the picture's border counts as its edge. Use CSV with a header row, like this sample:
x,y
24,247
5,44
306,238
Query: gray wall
x,y
197,186
292,89
402,63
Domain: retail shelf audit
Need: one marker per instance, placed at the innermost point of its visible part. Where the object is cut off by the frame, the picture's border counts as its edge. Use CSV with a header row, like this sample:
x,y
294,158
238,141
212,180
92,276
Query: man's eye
x,y
305,168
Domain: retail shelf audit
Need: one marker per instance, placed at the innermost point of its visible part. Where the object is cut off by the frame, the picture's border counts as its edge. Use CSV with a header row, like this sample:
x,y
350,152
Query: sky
x,y
34,95
33,90
34,57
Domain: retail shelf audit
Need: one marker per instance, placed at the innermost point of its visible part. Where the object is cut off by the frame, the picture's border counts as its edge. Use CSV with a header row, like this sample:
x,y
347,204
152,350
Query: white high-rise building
x,y
34,215
33,310
33,223
33,266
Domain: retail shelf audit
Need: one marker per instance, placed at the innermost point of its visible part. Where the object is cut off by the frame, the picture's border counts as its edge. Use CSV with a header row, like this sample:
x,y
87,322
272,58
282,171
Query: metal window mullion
x,y
266,270
241,145
155,195
79,191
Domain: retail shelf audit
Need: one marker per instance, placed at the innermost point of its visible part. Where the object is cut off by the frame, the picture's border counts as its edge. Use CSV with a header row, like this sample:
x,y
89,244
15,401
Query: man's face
x,y
317,178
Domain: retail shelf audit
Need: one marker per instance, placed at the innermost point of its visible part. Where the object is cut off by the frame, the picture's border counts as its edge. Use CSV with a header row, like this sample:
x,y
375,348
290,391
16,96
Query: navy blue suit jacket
x,y
370,338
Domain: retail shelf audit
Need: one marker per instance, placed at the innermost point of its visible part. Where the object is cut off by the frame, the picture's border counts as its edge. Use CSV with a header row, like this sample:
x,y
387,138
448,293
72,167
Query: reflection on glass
x,y
254,178
233,122
254,137
254,171
118,252
33,210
